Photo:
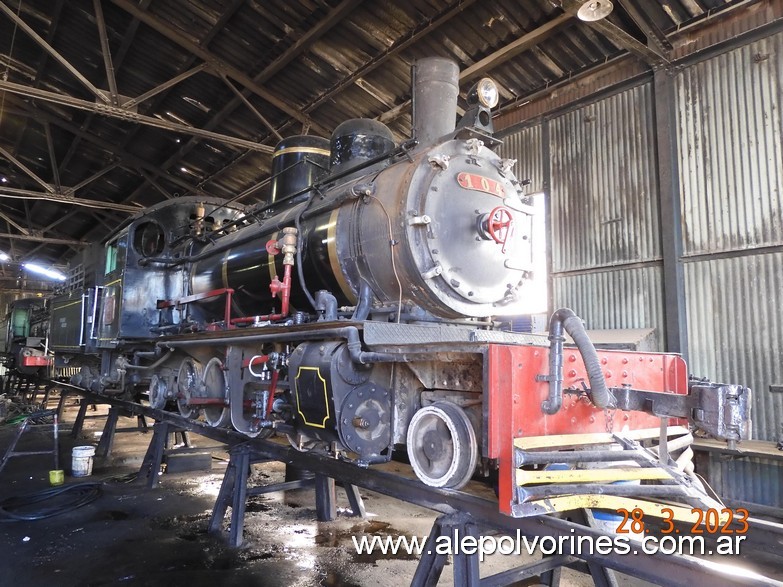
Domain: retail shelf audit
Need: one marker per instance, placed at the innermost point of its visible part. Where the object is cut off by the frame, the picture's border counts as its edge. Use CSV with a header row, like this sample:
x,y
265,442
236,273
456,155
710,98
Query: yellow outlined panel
x,y
326,397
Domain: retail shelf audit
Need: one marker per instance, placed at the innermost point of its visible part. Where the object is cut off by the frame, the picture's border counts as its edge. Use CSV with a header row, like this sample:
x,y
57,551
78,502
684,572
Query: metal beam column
x,y
671,220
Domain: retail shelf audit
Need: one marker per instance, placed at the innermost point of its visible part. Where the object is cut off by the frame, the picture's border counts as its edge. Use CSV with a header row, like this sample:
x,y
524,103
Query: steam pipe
x,y
566,319
157,363
364,304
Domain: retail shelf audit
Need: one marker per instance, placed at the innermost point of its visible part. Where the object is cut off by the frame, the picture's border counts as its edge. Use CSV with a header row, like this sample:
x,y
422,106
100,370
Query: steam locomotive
x,y
354,310
26,336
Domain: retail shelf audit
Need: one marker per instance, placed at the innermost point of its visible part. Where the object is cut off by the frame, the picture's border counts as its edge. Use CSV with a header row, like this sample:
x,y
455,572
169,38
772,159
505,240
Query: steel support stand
x,y
84,403
106,442
61,403
150,466
466,567
27,382
602,576
162,432
548,570
466,564
47,393
233,492
354,500
325,499
107,437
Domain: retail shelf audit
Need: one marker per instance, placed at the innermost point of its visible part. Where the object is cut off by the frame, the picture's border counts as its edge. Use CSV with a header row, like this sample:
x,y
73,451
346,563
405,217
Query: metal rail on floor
x,y
463,510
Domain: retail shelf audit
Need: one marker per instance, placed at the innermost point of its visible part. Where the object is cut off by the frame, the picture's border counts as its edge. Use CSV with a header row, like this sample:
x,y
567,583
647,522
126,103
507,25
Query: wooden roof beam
x,y
520,45
299,47
619,37
103,35
523,43
52,52
122,114
23,194
655,36
216,64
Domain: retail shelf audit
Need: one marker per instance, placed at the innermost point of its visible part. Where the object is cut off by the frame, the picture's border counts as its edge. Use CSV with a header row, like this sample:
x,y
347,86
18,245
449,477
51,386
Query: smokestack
x,y
435,91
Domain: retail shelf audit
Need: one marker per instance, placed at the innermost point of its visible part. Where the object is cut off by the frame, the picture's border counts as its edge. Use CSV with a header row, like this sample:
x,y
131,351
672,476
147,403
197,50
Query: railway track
x,y
467,510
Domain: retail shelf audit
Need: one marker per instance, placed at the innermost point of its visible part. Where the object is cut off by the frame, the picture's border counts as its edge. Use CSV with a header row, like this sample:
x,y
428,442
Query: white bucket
x,y
81,461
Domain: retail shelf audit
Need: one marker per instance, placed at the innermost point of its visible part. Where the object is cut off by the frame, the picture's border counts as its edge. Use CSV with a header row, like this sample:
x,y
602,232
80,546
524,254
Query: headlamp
x,y
485,92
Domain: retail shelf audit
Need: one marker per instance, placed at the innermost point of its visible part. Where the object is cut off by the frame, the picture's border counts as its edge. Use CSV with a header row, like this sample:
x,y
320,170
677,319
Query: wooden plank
x,y
747,448
614,503
590,475
534,442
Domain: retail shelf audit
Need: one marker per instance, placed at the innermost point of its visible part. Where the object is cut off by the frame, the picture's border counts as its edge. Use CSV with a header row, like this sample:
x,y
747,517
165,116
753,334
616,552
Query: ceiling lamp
x,y
593,10
50,273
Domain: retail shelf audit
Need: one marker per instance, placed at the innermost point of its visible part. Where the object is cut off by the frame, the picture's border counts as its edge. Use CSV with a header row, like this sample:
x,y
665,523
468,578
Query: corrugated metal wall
x,y
604,214
527,147
605,226
730,153
604,187
622,298
735,329
731,172
748,480
603,200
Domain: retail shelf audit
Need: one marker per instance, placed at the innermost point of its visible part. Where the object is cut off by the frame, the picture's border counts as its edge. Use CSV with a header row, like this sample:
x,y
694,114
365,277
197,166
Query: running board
x,y
611,471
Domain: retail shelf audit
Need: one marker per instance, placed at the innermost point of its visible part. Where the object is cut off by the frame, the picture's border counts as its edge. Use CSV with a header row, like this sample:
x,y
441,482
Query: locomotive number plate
x,y
479,183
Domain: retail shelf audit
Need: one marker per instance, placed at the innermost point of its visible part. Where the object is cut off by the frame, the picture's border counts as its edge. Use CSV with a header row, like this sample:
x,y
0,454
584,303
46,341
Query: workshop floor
x,y
134,536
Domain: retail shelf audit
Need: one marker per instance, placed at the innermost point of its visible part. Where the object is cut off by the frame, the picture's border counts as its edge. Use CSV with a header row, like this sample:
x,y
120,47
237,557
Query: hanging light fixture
x,y
594,10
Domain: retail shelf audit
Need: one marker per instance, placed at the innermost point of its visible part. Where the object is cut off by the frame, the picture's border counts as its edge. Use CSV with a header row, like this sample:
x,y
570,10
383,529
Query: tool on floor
x,y
56,475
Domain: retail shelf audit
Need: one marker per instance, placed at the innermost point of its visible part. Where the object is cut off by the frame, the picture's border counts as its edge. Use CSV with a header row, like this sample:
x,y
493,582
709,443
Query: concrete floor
x,y
134,536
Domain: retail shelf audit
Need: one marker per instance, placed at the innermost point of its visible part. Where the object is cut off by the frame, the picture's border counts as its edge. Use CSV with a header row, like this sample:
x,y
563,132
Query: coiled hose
x,y
566,319
59,500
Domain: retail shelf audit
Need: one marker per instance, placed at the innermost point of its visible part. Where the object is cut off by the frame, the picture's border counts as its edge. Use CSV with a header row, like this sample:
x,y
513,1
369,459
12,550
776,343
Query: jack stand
x,y
234,492
153,459
64,394
466,567
456,527
110,429
84,403
28,387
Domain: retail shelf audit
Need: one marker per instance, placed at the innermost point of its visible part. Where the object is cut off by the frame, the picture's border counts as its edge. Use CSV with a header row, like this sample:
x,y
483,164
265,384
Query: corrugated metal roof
x,y
343,58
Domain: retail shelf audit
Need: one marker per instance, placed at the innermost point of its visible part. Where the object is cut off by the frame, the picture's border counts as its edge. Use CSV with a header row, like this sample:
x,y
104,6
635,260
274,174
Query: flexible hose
x,y
63,499
566,319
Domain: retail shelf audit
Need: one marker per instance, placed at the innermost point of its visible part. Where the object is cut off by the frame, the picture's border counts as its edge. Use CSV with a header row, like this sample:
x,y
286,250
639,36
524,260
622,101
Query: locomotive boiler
x,y
353,311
